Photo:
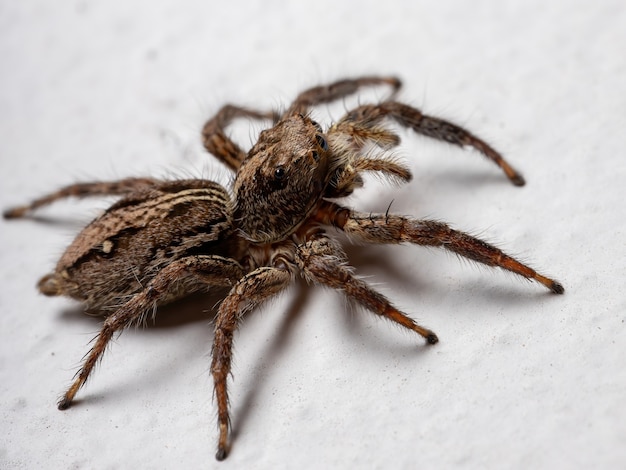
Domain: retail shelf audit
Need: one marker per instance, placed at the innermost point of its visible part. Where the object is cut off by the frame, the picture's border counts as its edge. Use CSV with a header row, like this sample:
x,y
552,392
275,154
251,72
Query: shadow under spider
x,y
276,346
202,307
195,308
269,356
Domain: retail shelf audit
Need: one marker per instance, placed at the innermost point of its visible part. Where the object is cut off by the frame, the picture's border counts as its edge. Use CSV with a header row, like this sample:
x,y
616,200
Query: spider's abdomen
x,y
152,228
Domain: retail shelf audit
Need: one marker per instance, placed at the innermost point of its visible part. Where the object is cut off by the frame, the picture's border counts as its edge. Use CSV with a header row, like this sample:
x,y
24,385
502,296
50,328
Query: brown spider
x,y
166,239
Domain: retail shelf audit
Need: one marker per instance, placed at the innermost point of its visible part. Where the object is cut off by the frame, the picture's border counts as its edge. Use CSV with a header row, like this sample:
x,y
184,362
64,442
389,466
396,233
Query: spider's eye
x,y
279,173
280,178
316,156
315,123
322,142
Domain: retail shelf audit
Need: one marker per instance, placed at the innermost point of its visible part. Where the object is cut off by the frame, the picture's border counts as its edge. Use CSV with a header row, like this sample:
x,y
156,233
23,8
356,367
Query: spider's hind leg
x,y
82,190
181,277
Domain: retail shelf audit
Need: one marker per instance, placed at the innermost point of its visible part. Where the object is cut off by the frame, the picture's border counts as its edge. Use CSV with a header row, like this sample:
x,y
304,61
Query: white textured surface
x,y
521,378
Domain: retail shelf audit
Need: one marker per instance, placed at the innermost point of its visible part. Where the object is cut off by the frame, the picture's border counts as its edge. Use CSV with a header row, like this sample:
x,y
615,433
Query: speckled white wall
x,y
521,378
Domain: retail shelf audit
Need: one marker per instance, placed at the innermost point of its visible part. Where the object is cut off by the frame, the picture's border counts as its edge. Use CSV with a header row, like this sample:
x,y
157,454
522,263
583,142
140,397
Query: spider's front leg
x,y
323,262
367,115
189,274
218,143
250,291
393,229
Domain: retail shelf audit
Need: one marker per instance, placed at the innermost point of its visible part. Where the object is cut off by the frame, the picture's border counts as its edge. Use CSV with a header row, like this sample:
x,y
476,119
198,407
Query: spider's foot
x,y
222,444
221,454
511,173
431,338
64,403
15,212
517,179
557,287
554,286
395,83
428,335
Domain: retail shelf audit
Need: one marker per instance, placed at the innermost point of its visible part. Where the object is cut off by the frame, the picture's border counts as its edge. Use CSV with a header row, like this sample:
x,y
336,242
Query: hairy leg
x,y
250,291
367,116
333,91
188,274
321,261
218,143
348,178
81,190
387,228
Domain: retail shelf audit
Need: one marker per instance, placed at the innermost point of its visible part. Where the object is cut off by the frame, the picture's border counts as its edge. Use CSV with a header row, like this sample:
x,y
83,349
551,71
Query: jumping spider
x,y
166,239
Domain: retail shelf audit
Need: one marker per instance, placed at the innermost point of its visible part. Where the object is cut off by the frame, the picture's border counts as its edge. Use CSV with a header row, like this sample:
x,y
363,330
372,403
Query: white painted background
x,y
521,378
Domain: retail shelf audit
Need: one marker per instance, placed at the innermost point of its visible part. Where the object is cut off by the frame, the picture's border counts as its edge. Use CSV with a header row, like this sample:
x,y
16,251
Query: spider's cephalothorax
x,y
282,180
166,239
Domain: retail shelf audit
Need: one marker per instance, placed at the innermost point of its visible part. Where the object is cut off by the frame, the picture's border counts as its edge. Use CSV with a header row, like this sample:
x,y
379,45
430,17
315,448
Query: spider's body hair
x,y
164,239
